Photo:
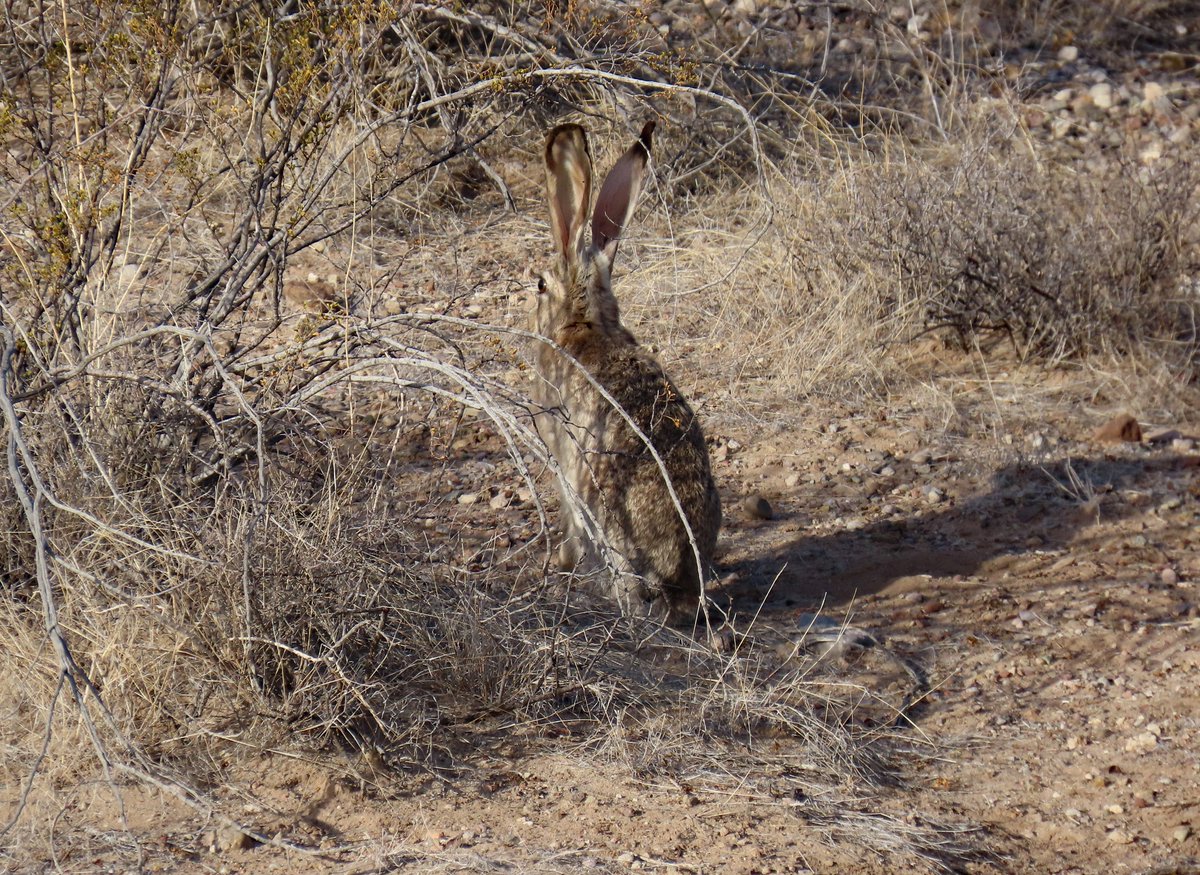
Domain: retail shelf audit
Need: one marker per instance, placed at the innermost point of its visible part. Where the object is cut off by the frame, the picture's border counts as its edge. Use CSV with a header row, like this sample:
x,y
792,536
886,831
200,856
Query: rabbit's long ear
x,y
568,187
618,196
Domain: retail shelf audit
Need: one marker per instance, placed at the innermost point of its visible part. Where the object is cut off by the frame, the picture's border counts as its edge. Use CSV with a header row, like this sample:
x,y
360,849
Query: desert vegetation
x,y
271,481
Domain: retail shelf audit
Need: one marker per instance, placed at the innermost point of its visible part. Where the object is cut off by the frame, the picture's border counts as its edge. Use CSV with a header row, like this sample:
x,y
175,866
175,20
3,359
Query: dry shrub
x,y
988,236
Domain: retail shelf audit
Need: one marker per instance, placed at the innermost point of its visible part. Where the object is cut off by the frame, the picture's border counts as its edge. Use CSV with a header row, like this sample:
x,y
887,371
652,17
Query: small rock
x,y
1120,837
1102,95
1170,576
887,471
791,481
934,495
231,838
1060,127
468,498
1183,445
1143,742
313,294
1068,54
1114,809
499,501
758,508
921,457
1181,833
1154,95
745,7
1121,428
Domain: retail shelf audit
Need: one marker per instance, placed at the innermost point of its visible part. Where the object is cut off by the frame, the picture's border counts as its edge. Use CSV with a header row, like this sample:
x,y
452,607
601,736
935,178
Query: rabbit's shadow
x,y
1027,507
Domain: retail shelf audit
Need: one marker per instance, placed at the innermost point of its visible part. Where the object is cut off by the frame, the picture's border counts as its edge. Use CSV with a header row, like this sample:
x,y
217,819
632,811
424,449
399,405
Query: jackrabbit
x,y
630,517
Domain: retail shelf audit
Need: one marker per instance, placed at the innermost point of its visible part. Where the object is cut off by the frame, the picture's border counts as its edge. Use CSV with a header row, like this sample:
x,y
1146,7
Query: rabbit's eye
x,y
541,285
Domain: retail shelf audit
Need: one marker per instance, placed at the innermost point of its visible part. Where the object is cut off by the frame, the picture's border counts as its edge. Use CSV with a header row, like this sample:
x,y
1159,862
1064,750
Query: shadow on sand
x,y
1027,507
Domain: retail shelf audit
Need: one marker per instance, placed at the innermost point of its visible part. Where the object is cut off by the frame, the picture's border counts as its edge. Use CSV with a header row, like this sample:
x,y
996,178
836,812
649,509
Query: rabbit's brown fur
x,y
604,462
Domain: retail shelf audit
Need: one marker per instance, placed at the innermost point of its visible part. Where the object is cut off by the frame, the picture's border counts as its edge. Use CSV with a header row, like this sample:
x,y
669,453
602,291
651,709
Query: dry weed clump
x,y
980,238
223,524
989,237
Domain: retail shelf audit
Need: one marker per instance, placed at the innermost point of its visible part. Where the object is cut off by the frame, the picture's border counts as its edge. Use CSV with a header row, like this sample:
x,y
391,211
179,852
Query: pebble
x,y
1102,95
1181,833
757,507
231,838
934,495
1121,428
1170,576
1068,54
1120,837
792,480
1143,742
468,498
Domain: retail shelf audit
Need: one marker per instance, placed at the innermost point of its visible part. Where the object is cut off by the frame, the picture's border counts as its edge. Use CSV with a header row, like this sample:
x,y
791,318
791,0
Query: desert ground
x,y
277,592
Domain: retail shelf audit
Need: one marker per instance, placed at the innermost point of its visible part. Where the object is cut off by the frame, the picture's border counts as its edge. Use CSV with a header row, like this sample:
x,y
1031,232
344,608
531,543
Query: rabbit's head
x,y
577,290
